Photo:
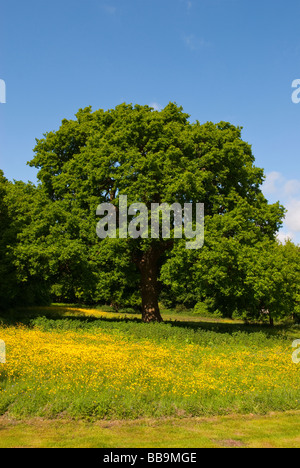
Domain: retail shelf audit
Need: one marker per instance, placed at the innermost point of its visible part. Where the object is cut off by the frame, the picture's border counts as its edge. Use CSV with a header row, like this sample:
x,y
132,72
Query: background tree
x,y
219,274
7,274
253,281
20,281
273,274
152,157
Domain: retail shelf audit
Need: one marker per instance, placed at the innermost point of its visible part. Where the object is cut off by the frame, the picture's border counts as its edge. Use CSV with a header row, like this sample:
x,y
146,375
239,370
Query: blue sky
x,y
232,60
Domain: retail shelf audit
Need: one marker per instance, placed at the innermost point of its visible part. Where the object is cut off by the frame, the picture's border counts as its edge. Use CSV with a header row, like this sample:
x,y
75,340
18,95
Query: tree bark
x,y
148,266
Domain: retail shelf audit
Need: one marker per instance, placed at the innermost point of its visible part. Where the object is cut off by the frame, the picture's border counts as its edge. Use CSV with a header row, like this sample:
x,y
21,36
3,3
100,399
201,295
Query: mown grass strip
x,y
278,430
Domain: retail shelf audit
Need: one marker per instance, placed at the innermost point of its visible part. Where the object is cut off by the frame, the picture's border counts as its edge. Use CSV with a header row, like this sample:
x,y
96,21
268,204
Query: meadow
x,y
90,365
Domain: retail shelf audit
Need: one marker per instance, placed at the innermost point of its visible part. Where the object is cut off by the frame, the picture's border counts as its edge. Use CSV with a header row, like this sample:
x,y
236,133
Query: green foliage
x,y
21,281
7,275
236,279
151,157
48,236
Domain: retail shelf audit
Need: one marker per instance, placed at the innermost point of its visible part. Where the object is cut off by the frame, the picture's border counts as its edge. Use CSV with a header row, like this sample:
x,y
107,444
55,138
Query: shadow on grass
x,y
231,328
28,316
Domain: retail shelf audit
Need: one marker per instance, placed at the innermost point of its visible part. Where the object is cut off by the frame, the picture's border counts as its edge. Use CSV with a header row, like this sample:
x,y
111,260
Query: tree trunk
x,y
149,286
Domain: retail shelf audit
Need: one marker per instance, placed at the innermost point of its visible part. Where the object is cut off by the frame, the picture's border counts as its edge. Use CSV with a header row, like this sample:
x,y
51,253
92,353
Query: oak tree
x,y
151,157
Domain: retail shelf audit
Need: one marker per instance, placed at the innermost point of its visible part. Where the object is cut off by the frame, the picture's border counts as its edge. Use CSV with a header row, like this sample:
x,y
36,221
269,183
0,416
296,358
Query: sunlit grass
x,y
271,431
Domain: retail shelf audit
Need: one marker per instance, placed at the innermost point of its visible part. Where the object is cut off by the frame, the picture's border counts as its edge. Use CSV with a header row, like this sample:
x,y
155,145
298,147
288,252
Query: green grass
x,y
270,431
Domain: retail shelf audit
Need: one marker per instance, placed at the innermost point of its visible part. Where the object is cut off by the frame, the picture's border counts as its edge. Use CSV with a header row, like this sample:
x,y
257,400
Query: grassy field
x,y
278,430
91,365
